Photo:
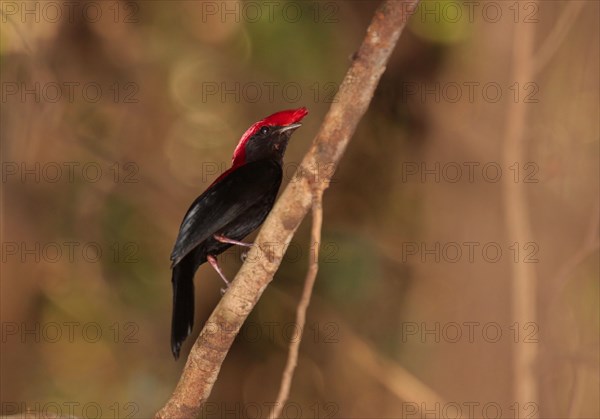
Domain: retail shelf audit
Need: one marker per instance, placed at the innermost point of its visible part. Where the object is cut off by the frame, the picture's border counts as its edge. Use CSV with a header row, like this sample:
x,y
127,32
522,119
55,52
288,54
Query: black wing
x,y
224,201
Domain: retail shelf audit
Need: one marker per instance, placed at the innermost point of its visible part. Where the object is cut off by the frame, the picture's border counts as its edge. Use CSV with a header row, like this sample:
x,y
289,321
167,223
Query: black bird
x,y
232,207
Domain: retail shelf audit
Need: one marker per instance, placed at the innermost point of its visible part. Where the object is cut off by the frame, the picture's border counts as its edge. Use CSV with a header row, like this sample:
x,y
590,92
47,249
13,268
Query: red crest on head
x,y
279,119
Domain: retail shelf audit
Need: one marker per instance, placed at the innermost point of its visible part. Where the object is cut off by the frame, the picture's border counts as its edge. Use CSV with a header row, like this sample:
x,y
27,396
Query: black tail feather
x,y
183,303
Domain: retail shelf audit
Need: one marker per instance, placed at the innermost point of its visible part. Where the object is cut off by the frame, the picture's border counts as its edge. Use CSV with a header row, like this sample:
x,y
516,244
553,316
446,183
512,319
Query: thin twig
x,y
590,245
559,31
393,376
523,279
591,242
350,104
309,283
576,393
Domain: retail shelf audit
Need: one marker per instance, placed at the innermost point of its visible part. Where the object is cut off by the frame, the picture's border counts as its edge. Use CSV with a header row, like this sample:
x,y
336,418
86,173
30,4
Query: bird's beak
x,y
290,127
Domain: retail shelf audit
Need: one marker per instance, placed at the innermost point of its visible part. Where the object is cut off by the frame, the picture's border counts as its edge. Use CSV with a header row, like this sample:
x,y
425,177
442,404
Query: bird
x,y
232,207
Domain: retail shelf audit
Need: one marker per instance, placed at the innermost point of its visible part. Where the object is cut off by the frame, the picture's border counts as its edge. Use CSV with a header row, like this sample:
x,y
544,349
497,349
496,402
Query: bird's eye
x,y
264,130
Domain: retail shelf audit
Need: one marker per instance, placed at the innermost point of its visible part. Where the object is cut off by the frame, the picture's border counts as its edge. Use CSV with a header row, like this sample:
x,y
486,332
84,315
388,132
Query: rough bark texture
x,y
351,103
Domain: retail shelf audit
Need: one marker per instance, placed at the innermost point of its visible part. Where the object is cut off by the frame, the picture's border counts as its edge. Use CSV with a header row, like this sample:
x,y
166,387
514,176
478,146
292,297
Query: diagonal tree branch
x,y
353,98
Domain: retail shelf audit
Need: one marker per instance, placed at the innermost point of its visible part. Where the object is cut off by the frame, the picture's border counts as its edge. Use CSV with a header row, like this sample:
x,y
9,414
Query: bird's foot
x,y
223,239
244,255
213,262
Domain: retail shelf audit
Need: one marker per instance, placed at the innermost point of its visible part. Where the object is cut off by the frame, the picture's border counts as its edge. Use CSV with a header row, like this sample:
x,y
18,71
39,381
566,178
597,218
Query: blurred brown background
x,y
449,253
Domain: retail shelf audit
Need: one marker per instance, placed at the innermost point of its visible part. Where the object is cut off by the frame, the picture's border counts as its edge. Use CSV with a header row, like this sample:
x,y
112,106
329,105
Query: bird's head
x,y
268,138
